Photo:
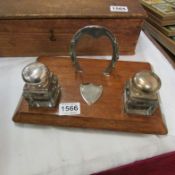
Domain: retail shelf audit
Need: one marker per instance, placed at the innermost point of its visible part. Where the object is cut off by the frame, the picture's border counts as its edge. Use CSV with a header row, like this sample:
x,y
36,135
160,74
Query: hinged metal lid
x,y
35,73
147,81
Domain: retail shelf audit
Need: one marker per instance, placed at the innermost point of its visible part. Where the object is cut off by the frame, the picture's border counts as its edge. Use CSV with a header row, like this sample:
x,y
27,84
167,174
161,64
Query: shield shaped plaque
x,y
91,92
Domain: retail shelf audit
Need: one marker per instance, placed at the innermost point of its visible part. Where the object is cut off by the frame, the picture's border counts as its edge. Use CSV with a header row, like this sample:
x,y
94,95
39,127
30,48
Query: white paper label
x,y
115,8
69,108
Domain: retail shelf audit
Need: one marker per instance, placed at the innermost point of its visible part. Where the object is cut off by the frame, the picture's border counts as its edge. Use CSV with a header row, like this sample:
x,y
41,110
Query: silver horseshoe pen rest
x,y
91,92
96,32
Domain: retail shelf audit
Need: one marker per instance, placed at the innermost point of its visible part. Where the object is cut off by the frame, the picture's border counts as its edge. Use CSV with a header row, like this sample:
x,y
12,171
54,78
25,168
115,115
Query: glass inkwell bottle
x,y
41,87
140,93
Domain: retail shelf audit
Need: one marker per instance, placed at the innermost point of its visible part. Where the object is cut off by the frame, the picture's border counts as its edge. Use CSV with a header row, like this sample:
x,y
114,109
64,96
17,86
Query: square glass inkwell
x,y
140,94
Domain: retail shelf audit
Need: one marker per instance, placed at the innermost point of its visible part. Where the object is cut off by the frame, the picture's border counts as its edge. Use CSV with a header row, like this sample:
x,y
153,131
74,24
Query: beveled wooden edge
x,y
88,123
37,17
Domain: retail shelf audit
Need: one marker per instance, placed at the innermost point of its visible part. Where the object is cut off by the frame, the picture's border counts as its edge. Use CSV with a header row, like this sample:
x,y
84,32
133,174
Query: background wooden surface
x,y
41,27
160,37
53,36
68,9
106,113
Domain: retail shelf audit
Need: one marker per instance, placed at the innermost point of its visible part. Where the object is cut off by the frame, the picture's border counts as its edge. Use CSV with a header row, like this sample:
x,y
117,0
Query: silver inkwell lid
x,y
146,81
35,74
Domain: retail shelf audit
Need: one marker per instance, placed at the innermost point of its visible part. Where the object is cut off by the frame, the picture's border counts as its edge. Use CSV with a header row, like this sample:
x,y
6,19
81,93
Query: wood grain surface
x,y
42,27
106,113
53,36
68,9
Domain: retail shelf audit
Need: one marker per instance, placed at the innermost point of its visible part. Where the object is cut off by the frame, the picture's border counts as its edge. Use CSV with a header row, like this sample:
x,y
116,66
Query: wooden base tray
x,y
106,113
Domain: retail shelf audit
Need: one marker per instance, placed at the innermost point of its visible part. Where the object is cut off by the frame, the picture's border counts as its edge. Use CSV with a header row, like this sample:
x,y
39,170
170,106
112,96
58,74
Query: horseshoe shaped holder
x,y
108,112
96,32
